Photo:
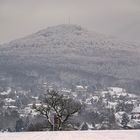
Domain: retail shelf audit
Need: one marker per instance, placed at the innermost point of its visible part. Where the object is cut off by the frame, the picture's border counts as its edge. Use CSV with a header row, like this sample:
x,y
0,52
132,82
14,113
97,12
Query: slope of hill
x,y
84,135
69,54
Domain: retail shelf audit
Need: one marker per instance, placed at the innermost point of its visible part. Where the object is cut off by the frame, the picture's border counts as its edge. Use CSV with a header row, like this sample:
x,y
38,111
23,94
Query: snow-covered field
x,y
77,135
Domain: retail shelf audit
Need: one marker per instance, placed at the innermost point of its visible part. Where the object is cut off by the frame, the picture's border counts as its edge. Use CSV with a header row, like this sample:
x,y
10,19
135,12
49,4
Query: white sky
x,y
120,18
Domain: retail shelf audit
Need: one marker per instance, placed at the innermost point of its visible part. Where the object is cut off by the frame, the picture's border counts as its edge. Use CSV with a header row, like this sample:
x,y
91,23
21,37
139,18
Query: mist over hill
x,y
69,54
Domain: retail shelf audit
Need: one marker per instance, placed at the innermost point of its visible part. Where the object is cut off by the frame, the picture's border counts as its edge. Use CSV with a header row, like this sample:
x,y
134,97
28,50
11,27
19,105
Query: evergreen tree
x,y
19,125
125,120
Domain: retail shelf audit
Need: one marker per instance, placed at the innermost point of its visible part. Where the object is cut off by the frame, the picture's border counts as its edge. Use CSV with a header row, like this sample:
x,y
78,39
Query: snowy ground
x,y
78,135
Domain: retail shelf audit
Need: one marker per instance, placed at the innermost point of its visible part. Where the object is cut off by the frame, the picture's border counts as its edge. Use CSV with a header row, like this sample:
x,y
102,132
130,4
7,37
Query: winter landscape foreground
x,y
80,135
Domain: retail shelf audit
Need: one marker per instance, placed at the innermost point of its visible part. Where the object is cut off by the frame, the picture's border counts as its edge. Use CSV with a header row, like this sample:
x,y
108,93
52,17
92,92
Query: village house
x,y
135,114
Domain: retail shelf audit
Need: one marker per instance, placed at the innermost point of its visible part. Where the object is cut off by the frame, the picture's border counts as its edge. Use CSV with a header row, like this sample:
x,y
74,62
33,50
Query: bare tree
x,y
58,104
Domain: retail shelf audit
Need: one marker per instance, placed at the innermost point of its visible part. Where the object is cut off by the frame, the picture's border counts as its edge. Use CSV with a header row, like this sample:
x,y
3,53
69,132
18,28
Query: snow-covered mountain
x,y
69,54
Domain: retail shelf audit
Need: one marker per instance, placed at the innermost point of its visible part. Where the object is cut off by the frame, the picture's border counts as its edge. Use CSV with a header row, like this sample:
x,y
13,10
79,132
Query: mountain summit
x,y
68,54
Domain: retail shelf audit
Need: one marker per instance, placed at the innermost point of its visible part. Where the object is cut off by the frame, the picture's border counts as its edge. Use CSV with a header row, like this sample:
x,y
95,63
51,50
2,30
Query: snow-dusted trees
x,y
58,109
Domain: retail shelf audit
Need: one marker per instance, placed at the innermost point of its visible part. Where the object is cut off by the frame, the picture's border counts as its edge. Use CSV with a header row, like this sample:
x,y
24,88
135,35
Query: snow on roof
x,y
9,100
28,110
128,102
90,126
136,110
37,104
88,101
12,106
74,135
132,95
79,87
74,94
116,89
104,92
133,123
33,97
118,115
4,93
66,90
95,98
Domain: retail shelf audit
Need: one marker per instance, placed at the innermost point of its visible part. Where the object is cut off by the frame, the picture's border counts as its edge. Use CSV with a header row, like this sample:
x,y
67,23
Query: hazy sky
x,y
120,18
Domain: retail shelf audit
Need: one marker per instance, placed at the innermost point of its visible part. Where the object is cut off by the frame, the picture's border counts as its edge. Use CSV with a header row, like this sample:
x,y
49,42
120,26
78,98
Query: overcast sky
x,y
120,18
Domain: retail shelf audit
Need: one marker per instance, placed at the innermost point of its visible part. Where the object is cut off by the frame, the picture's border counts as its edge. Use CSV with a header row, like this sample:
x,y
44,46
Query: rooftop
x,y
136,110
